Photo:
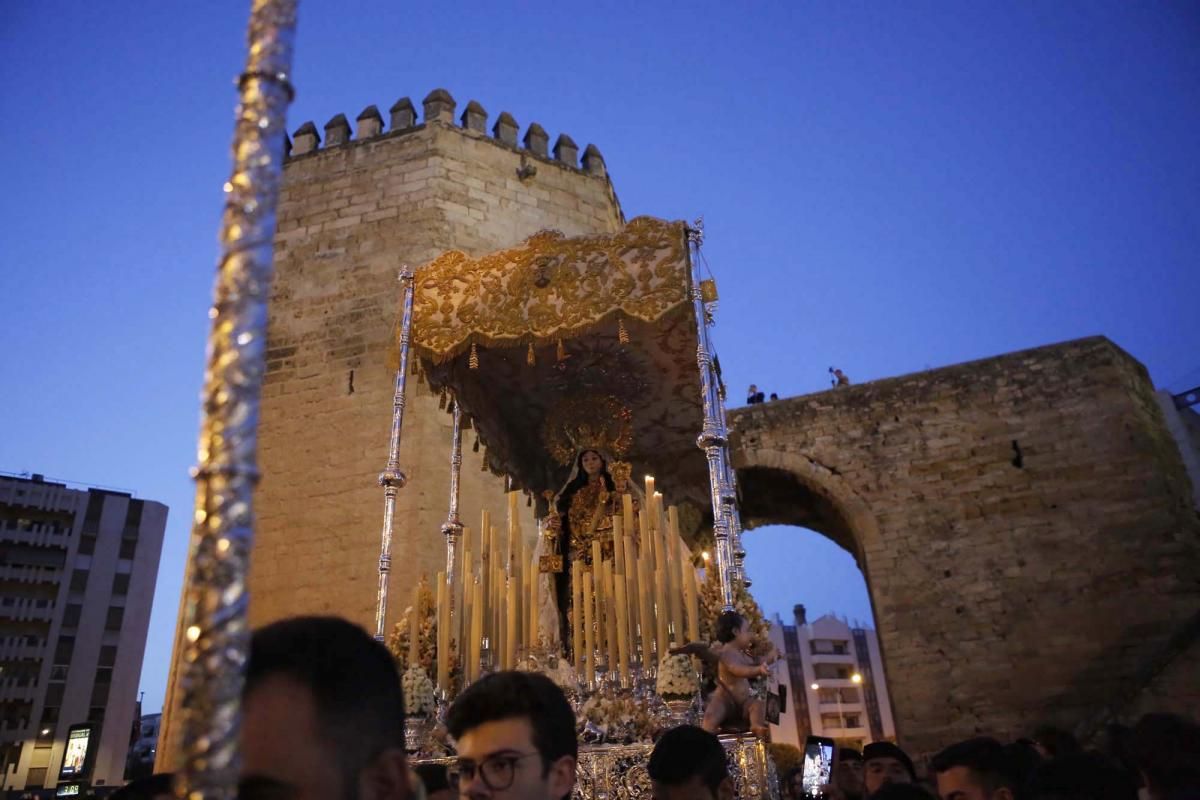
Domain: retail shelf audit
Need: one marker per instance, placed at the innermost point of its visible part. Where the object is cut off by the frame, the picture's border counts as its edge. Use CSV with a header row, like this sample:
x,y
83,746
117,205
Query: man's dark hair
x,y
1166,748
888,750
686,752
519,695
1082,776
353,680
985,757
727,626
848,754
790,776
147,788
902,791
1055,741
434,777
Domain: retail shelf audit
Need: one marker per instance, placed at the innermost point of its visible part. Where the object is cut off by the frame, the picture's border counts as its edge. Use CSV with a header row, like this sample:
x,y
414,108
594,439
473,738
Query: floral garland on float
x,y
413,642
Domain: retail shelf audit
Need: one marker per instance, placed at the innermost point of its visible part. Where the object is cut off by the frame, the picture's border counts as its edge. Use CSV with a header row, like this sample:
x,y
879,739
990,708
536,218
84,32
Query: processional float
x,y
550,349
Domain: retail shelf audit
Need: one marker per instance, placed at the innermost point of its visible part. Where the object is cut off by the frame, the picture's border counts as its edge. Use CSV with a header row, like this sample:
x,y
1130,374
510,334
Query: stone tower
x,y
353,210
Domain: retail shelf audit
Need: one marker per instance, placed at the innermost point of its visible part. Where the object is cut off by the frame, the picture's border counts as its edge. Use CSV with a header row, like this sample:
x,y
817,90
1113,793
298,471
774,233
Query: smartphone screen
x,y
818,764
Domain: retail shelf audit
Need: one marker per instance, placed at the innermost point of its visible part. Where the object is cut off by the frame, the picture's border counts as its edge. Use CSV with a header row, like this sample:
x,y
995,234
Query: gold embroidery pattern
x,y
549,288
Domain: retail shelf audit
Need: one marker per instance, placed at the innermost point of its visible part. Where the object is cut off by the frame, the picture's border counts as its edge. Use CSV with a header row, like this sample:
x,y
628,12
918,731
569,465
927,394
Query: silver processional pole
x,y
216,633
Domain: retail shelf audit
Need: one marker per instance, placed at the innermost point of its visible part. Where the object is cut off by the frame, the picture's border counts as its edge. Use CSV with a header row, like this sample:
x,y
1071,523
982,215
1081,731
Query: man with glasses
x,y
515,737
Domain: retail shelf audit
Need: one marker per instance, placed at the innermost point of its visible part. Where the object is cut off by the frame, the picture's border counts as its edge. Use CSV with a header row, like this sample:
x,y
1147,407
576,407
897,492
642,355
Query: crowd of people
x,y
323,717
1157,759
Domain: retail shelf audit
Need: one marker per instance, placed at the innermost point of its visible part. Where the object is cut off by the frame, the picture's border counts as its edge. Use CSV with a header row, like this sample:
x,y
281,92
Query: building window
x,y
54,693
100,691
835,647
832,671
64,650
35,778
128,548
108,655
71,615
831,721
115,615
96,714
79,579
120,584
95,507
87,545
853,721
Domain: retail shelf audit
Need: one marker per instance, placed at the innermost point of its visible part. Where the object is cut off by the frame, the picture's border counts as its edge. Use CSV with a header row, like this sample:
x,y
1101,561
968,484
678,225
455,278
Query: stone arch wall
x,y
1024,523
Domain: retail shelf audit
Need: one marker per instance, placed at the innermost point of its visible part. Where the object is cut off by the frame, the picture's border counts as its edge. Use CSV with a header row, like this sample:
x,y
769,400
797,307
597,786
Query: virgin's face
x,y
591,462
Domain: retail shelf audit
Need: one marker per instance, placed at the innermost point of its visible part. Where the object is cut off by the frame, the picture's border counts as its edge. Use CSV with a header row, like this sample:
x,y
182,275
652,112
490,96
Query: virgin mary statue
x,y
580,513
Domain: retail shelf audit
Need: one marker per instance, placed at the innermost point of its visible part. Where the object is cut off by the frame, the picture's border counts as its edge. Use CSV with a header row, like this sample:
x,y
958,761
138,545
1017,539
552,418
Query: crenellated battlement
x,y
439,107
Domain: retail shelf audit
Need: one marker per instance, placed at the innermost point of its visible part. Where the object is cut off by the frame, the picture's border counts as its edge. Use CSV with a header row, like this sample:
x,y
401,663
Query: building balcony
x,y
834,658
57,540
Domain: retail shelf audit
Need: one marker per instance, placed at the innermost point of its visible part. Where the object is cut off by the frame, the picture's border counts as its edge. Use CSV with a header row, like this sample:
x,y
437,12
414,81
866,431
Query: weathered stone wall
x,y
350,216
351,213
1024,523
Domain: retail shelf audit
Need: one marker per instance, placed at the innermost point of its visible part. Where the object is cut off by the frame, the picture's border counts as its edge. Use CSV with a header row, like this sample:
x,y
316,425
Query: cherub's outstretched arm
x,y
704,652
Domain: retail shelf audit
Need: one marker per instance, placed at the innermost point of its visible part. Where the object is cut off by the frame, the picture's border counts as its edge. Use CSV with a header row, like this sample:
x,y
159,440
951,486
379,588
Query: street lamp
x,y
856,678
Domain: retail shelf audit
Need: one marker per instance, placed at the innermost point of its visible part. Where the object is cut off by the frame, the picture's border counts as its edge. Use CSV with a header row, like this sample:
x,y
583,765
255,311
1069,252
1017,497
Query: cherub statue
x,y
731,704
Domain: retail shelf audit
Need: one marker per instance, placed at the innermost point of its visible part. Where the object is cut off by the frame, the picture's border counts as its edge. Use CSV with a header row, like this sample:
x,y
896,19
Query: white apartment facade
x,y
835,682
77,575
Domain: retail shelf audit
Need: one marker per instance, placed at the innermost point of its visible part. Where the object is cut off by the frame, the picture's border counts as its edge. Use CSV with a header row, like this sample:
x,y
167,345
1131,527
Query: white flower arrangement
x,y
620,718
563,674
676,678
418,692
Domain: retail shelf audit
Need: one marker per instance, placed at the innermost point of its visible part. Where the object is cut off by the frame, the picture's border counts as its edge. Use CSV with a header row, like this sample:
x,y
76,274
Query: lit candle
x,y
693,601
660,611
588,634
510,639
443,633
534,579
622,627
646,550
627,513
577,614
476,628
414,628
613,646
649,487
631,593
675,571
598,588
646,610
618,551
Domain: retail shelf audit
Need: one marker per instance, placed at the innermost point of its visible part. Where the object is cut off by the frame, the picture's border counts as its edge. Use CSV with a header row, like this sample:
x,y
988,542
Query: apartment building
x,y
77,574
835,682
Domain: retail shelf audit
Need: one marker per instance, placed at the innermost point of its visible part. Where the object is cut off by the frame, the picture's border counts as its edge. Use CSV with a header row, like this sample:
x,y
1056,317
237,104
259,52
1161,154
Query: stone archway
x,y
1024,523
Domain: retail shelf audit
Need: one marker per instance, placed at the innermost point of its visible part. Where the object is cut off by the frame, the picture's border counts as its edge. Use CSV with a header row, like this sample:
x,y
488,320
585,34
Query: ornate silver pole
x,y
713,438
392,479
215,629
452,527
731,509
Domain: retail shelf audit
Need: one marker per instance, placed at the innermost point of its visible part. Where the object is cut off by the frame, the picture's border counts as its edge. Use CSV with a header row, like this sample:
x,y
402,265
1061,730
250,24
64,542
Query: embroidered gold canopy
x,y
550,288
561,341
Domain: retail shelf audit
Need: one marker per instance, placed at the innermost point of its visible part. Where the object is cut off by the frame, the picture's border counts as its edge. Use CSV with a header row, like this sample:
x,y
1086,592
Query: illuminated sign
x,y
75,759
68,790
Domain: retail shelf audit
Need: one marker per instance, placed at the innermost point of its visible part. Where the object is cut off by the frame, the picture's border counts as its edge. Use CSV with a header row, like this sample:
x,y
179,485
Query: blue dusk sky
x,y
887,187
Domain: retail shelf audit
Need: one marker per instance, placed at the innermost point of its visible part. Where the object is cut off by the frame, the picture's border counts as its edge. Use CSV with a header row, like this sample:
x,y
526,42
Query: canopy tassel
x,y
473,360
562,351
530,358
622,333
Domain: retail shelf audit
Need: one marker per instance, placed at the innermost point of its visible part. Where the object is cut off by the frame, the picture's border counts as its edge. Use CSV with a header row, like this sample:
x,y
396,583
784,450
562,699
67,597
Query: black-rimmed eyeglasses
x,y
497,772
